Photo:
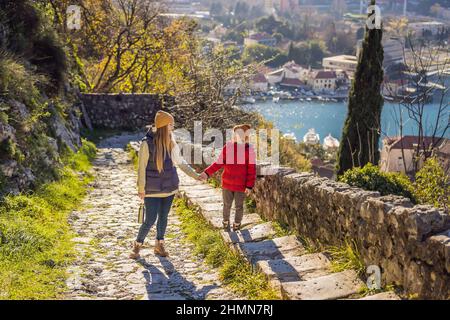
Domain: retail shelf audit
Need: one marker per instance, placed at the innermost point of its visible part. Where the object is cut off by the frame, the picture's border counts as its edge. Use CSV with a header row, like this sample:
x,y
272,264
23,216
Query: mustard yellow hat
x,y
163,119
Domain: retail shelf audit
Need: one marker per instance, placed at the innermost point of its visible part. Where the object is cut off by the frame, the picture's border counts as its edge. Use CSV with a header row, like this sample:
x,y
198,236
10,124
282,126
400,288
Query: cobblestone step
x,y
278,248
253,233
329,287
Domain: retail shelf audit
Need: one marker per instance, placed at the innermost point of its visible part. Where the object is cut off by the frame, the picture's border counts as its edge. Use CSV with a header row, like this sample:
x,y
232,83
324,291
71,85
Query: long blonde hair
x,y
164,144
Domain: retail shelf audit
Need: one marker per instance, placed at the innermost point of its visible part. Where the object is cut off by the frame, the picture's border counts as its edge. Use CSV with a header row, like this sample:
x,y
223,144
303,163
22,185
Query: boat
x,y
301,99
290,136
249,100
311,137
276,99
308,99
334,100
330,143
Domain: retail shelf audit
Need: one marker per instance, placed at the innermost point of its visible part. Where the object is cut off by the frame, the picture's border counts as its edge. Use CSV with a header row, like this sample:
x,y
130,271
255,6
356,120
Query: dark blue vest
x,y
155,182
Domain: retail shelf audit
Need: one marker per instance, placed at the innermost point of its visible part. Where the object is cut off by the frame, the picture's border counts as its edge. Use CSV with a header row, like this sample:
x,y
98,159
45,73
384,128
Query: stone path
x,y
106,227
296,273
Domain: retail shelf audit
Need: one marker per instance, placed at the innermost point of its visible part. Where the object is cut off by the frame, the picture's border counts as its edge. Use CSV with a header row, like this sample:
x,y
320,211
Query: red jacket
x,y
239,166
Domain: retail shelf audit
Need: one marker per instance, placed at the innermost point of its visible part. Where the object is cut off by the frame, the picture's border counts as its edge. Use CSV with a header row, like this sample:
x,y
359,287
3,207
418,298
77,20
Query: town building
x,y
398,152
343,62
325,81
259,83
421,29
260,38
293,83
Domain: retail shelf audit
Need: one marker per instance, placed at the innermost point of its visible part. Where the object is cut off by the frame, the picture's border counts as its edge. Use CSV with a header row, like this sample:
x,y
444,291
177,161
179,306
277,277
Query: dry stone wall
x,y
123,111
411,244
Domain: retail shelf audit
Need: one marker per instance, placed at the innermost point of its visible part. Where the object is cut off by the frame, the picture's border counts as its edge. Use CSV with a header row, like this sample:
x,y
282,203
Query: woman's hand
x,y
141,195
248,192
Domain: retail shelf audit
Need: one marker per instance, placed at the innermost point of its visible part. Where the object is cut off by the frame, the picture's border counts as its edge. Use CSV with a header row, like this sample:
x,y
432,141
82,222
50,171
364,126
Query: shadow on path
x,y
169,284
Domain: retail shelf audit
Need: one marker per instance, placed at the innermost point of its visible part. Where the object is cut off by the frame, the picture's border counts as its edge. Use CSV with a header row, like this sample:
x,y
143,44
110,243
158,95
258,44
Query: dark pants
x,y
155,208
228,197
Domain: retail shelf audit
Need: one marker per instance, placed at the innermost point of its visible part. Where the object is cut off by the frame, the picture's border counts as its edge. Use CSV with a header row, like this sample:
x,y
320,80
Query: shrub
x,y
18,82
371,178
432,185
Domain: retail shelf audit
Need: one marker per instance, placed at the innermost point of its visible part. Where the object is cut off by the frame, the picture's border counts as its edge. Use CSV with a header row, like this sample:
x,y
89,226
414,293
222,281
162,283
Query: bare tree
x,y
424,79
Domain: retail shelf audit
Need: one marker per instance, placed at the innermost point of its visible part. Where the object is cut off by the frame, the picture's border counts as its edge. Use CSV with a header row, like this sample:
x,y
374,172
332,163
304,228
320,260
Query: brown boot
x,y
159,248
136,248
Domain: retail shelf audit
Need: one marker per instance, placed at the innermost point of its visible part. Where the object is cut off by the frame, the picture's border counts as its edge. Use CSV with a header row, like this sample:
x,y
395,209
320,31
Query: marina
x,y
294,118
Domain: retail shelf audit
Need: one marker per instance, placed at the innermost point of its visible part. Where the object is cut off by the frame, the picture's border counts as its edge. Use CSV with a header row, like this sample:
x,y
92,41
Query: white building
x,y
393,159
325,81
342,62
290,70
275,77
259,83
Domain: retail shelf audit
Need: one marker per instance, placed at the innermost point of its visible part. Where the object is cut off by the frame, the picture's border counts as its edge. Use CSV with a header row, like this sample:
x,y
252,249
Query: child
x,y
238,178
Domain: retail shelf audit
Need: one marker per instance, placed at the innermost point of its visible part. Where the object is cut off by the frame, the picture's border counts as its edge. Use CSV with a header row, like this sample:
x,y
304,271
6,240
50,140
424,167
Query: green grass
x,y
250,205
281,230
234,270
346,257
133,156
365,291
35,237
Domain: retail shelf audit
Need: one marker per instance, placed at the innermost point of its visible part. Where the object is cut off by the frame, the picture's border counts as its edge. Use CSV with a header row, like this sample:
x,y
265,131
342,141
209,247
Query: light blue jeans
x,y
155,208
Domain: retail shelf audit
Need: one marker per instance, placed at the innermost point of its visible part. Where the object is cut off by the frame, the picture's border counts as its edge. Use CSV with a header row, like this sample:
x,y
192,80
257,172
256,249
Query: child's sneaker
x,y
236,226
226,225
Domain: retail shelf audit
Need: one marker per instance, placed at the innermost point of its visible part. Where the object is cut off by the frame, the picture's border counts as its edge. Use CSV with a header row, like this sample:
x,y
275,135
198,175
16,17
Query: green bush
x,y
371,178
432,185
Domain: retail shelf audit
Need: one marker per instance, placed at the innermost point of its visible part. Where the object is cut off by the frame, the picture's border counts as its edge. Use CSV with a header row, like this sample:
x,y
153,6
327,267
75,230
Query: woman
x,y
158,179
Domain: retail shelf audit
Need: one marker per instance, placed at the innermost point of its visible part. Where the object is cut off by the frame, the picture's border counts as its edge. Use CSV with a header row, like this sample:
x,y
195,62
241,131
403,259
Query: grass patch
x,y
35,237
234,270
366,291
281,230
214,181
250,205
346,257
133,156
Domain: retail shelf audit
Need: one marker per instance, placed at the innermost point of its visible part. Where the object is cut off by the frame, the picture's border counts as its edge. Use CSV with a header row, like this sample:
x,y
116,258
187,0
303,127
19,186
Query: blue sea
x,y
328,117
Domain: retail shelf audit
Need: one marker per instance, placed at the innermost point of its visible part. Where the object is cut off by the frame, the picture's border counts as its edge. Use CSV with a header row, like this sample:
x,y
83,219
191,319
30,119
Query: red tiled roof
x,y
259,78
407,142
263,69
292,82
326,75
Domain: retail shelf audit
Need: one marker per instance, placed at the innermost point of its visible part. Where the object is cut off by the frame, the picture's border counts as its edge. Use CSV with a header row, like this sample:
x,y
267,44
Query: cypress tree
x,y
359,142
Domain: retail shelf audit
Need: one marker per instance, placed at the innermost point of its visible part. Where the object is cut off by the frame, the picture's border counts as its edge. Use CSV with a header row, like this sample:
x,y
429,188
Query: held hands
x,y
203,177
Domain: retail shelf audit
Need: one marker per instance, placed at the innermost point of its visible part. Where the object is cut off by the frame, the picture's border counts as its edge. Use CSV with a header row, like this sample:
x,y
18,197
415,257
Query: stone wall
x,y
411,244
123,111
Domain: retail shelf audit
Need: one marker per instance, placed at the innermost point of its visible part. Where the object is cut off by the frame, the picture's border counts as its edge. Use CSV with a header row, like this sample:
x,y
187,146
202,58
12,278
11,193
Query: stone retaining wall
x,y
411,244
123,111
